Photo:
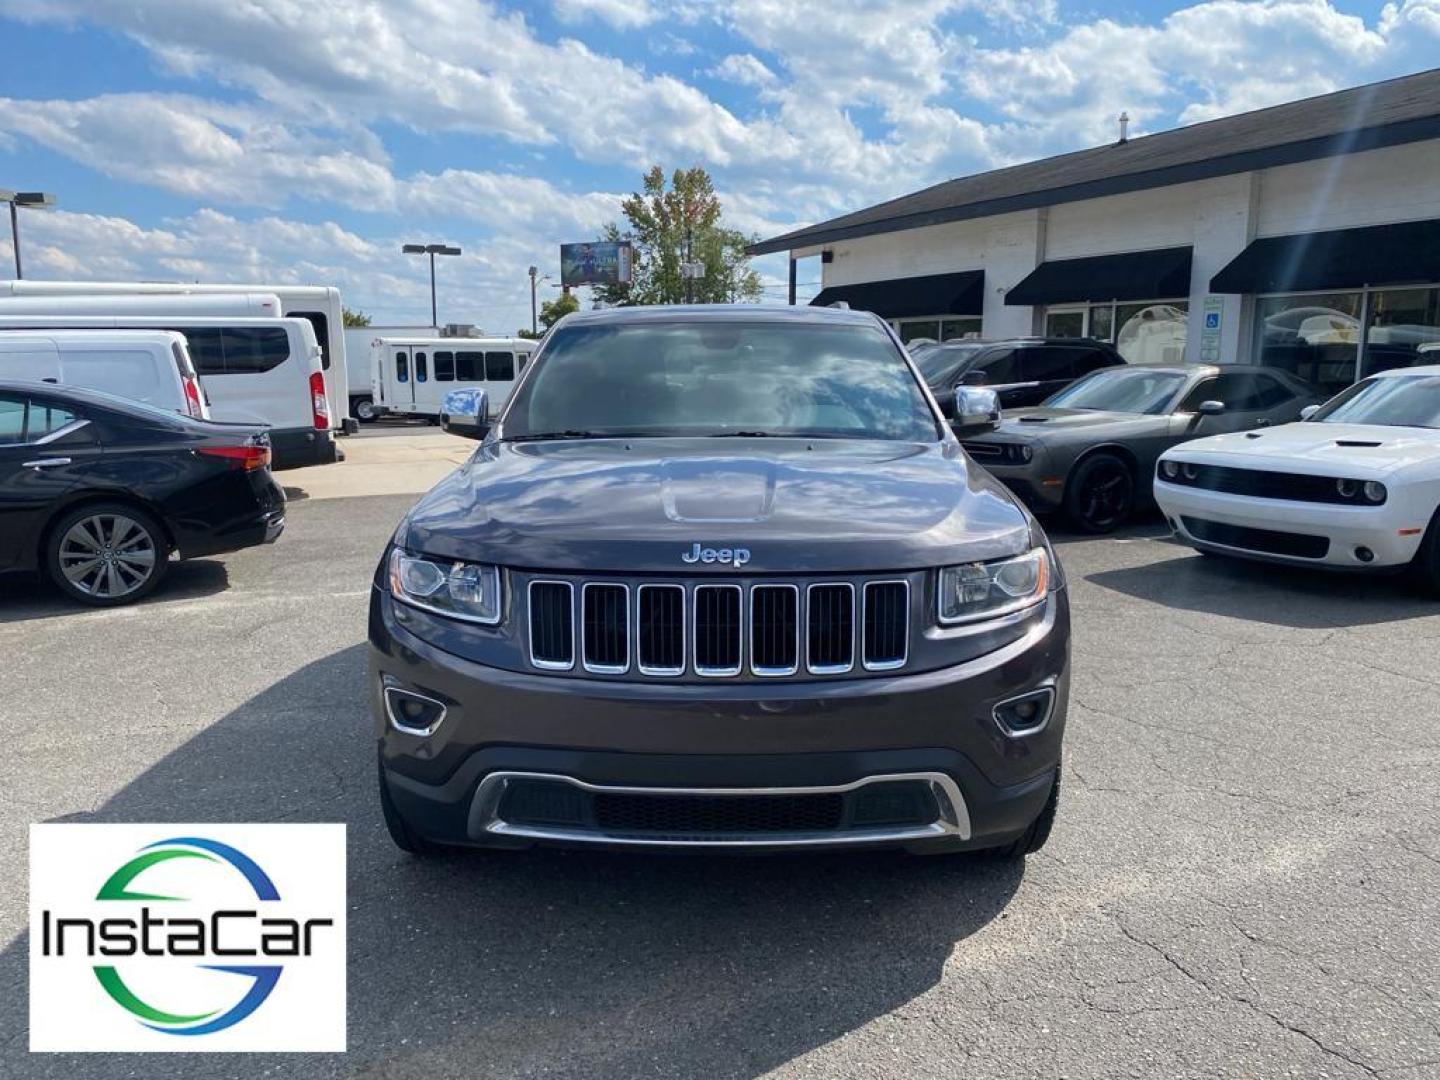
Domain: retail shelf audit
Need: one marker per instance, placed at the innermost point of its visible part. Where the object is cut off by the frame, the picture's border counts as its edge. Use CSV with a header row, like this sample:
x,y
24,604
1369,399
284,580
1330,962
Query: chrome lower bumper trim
x,y
954,819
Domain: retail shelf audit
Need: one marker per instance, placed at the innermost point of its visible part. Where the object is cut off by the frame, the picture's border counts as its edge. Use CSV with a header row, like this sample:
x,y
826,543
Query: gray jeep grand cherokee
x,y
720,577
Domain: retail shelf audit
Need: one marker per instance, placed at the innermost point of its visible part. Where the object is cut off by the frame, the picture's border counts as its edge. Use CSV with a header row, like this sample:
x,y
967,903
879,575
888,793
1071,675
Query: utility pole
x,y
534,319
689,268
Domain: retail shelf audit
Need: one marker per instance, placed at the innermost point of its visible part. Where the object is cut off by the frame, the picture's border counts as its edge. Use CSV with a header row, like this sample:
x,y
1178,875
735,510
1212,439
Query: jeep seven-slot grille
x,y
760,629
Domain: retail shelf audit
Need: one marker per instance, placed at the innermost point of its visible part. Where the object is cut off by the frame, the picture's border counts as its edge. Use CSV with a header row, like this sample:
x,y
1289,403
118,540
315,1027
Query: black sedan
x,y
1091,450
97,491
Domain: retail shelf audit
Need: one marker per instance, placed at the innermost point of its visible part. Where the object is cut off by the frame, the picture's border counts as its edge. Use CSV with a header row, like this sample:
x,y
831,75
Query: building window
x,y
1147,332
1398,323
1314,336
937,328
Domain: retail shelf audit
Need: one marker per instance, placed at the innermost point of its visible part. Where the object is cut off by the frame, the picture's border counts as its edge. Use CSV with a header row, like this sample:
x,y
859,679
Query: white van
x,y
358,340
318,304
251,370
410,375
152,366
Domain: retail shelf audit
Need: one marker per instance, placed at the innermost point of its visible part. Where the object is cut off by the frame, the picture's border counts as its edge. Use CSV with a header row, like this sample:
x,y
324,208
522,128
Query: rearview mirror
x,y
1309,411
465,413
1211,408
976,411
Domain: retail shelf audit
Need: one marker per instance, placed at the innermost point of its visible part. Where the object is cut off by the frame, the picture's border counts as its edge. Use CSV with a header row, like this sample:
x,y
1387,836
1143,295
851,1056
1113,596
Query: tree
x,y
663,224
354,318
551,312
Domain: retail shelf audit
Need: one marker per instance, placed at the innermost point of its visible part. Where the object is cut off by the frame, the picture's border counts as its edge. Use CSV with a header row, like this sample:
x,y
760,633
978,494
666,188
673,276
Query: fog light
x,y
1364,554
411,711
1026,714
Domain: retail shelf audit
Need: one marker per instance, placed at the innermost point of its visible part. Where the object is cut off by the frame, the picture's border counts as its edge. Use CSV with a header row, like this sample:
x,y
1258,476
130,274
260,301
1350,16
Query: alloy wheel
x,y
1106,499
107,555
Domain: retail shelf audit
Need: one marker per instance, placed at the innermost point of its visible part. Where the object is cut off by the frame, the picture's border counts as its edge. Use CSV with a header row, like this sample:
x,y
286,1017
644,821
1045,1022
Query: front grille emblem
x,y
736,557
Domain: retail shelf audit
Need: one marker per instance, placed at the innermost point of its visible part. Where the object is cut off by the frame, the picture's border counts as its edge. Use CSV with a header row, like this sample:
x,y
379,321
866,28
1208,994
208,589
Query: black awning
x,y
1403,254
900,298
1130,275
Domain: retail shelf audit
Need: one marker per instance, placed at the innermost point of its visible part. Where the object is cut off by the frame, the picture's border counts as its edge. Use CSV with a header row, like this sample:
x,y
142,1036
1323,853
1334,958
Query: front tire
x,y
107,554
404,837
1033,838
1426,567
1100,494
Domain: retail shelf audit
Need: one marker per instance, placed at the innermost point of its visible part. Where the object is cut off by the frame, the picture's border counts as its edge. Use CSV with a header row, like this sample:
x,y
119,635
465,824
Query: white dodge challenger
x,y
1355,485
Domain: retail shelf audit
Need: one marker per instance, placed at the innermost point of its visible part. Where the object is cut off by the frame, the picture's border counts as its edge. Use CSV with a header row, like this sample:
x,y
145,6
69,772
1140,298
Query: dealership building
x,y
1304,236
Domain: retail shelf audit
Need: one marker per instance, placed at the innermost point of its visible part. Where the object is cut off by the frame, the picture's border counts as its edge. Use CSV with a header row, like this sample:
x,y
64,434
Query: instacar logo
x,y
188,938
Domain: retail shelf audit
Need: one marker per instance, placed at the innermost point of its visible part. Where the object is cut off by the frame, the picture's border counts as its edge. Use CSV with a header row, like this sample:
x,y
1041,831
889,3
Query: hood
x,y
1037,423
1317,447
795,505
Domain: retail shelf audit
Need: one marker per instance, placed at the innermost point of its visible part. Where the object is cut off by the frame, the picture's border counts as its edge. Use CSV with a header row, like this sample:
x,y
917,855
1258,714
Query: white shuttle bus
x,y
358,340
251,370
410,375
317,304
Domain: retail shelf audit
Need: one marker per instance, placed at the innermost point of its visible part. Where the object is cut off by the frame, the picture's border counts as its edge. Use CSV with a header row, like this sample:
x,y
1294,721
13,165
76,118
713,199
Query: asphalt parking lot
x,y
1244,880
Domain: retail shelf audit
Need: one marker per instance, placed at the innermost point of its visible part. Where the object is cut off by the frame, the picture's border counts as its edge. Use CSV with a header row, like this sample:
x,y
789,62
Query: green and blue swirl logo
x,y
262,978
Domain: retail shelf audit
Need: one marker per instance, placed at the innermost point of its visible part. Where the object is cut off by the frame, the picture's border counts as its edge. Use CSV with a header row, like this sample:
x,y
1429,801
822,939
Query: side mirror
x,y
1211,408
1309,411
973,377
465,413
976,411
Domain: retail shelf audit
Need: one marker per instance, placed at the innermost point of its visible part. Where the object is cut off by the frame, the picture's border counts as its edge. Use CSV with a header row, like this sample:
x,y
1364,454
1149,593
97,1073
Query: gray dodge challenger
x,y
1091,449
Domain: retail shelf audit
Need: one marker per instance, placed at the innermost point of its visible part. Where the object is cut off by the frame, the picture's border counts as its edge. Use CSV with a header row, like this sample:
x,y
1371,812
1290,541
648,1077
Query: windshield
x,y
1393,401
720,378
1129,390
939,362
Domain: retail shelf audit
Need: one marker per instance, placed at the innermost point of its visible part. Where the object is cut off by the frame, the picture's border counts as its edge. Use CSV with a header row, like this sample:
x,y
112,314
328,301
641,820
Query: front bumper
x,y
1389,531
935,731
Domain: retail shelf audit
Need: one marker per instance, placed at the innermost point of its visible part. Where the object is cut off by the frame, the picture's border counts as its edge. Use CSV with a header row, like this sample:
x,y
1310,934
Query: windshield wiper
x,y
541,435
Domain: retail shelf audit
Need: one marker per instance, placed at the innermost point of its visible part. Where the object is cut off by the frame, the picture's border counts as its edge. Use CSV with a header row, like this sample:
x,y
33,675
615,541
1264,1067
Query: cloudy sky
x,y
282,140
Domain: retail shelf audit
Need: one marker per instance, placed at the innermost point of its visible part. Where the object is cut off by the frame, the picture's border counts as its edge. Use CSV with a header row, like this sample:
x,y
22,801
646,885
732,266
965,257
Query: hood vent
x,y
1355,442
1034,419
1252,435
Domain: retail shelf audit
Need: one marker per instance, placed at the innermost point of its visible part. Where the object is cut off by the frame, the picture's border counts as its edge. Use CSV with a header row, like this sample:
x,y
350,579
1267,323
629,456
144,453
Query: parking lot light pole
x,y
38,200
432,250
534,321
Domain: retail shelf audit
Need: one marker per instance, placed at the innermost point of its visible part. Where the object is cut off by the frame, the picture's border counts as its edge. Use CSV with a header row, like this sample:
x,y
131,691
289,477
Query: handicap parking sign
x,y
1212,320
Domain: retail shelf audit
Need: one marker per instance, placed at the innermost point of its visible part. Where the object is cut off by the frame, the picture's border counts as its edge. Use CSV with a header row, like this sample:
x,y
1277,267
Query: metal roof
x,y
1379,114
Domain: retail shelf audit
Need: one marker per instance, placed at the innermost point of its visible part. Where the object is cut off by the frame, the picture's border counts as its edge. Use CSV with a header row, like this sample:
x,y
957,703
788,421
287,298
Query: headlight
x,y
1189,470
1375,492
459,590
1169,469
1346,488
988,590
1025,453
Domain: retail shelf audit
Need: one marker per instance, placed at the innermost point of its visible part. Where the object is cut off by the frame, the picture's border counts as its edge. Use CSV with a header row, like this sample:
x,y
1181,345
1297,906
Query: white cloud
x,y
486,285
744,69
622,14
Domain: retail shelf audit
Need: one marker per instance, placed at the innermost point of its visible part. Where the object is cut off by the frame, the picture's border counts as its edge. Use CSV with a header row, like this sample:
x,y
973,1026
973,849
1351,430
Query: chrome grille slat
x,y
552,625
660,630
774,629
716,623
755,628
830,628
886,618
605,628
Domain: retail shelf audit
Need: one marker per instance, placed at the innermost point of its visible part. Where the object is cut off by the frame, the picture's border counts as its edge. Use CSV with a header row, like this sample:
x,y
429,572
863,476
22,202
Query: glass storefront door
x,y
1400,323
1146,332
1315,337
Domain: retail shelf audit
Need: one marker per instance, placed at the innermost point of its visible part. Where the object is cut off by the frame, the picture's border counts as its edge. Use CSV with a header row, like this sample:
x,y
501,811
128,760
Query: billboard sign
x,y
598,262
